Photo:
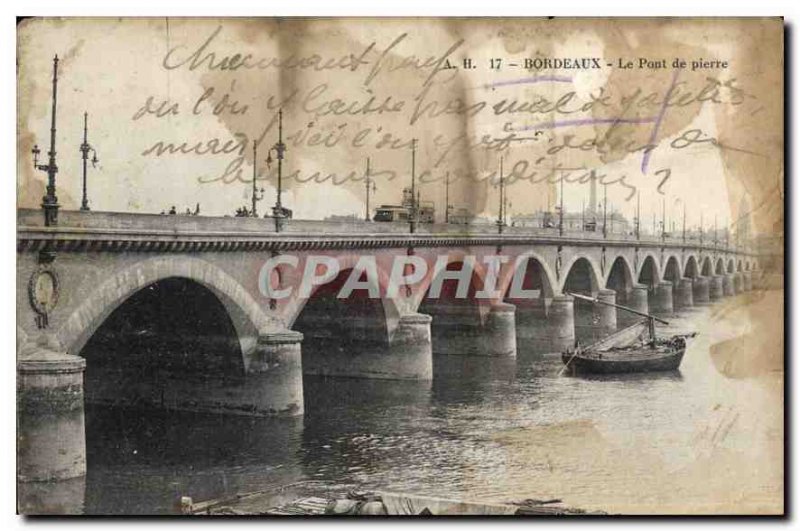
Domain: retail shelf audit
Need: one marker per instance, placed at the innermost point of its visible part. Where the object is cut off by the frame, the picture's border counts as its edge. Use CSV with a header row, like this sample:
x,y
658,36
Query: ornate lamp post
x,y
638,220
370,187
50,200
683,231
727,233
447,206
605,210
501,221
701,227
561,210
412,218
257,195
715,231
278,212
85,149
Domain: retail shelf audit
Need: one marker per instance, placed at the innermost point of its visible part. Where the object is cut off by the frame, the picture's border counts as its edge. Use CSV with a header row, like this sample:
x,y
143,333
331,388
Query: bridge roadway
x,y
102,261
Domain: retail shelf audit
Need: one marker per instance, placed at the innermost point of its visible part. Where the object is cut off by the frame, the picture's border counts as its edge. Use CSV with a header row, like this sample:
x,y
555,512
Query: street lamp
x,y
676,202
85,149
605,210
501,222
561,210
447,206
278,212
257,195
412,218
701,228
368,183
50,200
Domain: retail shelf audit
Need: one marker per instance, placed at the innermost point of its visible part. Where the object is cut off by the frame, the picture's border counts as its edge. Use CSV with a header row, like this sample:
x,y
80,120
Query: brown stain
x,y
34,87
759,352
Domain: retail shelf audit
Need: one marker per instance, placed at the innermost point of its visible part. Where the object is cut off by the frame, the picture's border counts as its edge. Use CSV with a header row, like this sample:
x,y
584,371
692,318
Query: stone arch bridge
x,y
200,281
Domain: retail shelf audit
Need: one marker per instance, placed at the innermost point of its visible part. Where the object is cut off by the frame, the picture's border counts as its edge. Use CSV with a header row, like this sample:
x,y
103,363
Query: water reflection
x,y
141,462
485,428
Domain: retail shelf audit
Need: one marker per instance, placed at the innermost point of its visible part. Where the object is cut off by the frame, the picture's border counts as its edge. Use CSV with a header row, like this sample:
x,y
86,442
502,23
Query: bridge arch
x,y
691,269
583,278
245,314
719,269
582,274
454,257
346,263
708,267
620,275
731,265
535,265
649,273
672,270
343,336
457,322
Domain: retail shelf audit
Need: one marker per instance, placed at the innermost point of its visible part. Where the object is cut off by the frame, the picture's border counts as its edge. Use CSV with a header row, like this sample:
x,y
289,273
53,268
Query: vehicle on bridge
x,y
402,212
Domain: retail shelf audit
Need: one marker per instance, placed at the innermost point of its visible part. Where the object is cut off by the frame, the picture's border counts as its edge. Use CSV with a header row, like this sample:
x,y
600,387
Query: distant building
x,y
575,221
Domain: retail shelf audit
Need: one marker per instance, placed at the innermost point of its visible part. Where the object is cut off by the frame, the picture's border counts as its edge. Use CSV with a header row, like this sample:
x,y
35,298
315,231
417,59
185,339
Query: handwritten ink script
x,y
204,110
525,125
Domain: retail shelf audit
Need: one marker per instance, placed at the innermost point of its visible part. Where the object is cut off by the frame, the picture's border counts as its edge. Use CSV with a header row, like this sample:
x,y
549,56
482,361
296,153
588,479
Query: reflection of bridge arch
x,y
244,312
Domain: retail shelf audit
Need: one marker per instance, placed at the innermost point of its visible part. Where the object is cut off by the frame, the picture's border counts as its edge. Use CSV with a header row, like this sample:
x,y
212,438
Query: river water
x,y
702,439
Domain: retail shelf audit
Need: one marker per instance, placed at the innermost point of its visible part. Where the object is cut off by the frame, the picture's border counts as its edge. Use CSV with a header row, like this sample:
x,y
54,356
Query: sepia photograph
x,y
400,266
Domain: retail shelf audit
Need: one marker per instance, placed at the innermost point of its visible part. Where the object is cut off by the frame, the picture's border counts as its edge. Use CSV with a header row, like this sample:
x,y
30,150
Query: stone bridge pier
x,y
684,294
738,283
701,290
459,328
661,299
747,280
50,424
727,286
715,291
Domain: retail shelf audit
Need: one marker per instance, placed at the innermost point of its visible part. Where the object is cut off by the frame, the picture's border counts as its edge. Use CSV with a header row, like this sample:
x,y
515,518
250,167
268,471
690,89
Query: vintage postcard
x,y
400,266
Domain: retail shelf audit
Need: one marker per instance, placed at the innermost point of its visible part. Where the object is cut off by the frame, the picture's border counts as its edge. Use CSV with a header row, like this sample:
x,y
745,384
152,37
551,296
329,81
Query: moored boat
x,y
632,349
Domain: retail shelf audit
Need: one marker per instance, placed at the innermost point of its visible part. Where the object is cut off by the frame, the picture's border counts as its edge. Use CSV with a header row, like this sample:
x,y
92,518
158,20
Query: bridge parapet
x,y
113,231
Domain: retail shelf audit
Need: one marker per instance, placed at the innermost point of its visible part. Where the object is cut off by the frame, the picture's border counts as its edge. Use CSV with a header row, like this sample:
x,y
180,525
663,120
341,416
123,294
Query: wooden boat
x,y
312,498
632,349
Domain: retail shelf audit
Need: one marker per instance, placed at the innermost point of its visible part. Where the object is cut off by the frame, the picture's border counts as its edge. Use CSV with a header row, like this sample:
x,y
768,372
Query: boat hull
x,y
630,350
593,365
